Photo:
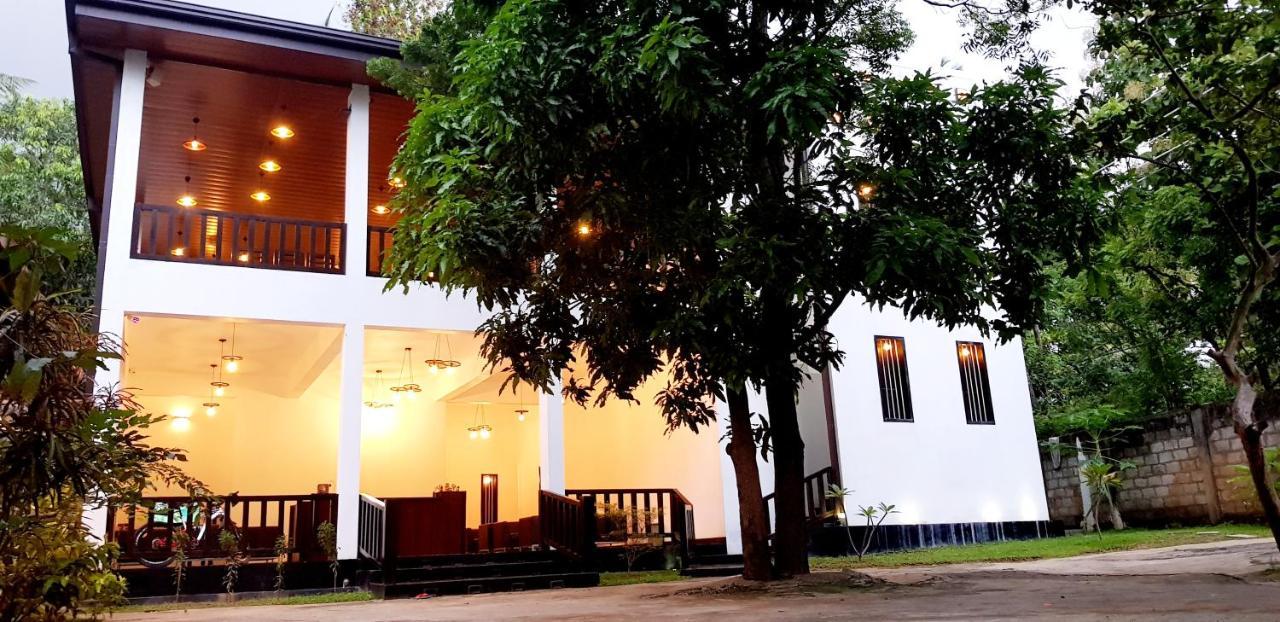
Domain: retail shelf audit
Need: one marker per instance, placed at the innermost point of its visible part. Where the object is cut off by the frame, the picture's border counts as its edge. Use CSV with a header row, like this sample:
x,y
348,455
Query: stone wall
x,y
1184,467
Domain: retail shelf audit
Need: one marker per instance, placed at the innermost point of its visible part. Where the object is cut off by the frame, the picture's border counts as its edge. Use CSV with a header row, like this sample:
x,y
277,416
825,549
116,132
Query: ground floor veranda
x,y
292,429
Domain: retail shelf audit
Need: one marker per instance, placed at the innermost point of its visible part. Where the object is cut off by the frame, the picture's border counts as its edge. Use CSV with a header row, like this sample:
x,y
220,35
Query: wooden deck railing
x,y
258,519
234,239
669,512
568,524
372,537
379,244
817,507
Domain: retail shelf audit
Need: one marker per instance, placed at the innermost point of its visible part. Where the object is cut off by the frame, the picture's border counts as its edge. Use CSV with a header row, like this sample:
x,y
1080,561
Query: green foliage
x,y
181,540
327,534
61,446
1103,477
282,559
872,516
1244,479
391,19
41,184
229,543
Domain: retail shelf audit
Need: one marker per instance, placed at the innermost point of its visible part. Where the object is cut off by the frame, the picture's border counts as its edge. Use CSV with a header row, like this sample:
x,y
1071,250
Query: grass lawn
x,y
1045,548
640,576
314,599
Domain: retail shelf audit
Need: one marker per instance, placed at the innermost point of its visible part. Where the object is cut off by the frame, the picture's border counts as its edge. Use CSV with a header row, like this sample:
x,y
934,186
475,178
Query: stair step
x,y
463,571
716,560
711,570
479,585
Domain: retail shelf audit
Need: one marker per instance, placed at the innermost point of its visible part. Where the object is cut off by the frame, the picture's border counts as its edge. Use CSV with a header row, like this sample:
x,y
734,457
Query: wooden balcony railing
x,y
372,540
568,524
233,239
258,520
379,245
660,512
817,507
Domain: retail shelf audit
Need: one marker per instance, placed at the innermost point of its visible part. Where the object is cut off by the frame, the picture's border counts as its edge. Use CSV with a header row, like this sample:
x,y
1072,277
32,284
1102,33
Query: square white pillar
x,y
551,440
351,409
121,189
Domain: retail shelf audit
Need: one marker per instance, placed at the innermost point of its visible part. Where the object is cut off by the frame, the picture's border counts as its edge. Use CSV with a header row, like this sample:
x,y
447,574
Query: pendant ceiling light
x,y
282,131
270,166
231,362
409,388
435,363
261,195
195,144
187,199
521,412
219,385
396,182
381,210
374,402
211,406
479,428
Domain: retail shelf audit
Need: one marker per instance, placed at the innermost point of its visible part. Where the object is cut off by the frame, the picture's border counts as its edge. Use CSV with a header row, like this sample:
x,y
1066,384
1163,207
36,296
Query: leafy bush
x,y
63,443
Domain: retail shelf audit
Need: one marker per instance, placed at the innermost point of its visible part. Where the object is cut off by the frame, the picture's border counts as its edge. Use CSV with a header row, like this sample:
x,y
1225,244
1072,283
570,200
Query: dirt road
x,y
1219,581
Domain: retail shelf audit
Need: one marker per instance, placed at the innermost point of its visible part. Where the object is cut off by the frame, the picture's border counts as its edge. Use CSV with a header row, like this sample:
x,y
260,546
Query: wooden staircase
x,y
479,573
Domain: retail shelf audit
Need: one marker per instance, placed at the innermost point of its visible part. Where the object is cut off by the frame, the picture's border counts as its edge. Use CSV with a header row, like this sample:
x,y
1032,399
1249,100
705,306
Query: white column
x,y
551,440
729,488
351,409
357,181
121,188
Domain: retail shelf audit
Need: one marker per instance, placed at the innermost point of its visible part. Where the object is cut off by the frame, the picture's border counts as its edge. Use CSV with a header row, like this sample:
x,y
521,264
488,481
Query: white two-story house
x,y
237,174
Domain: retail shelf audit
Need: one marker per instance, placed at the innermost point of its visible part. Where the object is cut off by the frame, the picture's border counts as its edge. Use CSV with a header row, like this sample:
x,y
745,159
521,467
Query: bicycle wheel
x,y
154,546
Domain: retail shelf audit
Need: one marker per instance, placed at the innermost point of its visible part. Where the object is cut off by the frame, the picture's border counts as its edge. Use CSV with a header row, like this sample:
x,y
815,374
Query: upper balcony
x,y
249,170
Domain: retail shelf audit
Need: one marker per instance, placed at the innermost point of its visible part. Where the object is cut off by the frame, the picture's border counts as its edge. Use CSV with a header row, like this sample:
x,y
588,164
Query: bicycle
x,y
156,542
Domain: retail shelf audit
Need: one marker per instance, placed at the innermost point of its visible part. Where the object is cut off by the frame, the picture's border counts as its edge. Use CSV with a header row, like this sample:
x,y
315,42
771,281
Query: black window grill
x,y
895,385
975,385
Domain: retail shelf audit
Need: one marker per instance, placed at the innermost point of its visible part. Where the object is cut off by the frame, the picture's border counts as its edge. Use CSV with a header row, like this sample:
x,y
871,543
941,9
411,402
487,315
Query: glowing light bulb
x,y
260,196
866,190
211,410
380,210
242,257
448,371
282,131
219,391
187,200
270,166
232,366
181,424
474,434
964,351
520,417
486,480
396,182
584,229
194,144
484,433
178,252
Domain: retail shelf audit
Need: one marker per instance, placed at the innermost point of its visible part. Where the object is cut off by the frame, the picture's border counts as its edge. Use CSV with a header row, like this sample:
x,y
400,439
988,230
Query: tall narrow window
x,y
488,498
895,386
974,383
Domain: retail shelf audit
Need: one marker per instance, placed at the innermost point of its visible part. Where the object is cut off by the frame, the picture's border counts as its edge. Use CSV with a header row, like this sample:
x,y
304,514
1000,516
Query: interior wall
x,y
622,445
511,452
257,444
402,449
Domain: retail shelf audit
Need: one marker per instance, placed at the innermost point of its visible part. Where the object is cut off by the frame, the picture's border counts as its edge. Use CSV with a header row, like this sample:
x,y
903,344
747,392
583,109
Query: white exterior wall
x,y
937,469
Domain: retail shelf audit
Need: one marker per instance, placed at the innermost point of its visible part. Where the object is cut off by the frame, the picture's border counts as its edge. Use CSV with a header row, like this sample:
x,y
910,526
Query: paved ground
x,y
1217,581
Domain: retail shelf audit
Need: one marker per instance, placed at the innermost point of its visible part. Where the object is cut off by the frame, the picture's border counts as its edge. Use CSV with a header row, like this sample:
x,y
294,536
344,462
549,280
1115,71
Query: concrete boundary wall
x,y
1184,472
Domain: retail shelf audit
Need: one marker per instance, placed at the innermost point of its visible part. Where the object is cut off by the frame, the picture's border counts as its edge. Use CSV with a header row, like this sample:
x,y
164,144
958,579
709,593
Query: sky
x,y
33,41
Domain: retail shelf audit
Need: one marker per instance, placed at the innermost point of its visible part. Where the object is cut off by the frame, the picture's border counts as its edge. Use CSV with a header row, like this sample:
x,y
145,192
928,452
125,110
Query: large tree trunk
x,y
753,514
791,537
1250,429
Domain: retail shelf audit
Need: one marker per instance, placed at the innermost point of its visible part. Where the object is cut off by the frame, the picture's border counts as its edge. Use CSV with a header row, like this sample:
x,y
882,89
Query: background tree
x,y
391,19
1189,110
630,184
62,444
41,184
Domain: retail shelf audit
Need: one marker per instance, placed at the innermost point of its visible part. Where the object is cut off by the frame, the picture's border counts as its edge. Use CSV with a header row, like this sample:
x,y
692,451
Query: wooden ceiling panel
x,y
237,111
389,117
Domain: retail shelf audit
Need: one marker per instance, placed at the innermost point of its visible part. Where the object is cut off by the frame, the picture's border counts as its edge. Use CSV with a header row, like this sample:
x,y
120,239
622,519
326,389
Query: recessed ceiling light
x,y
270,166
282,131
